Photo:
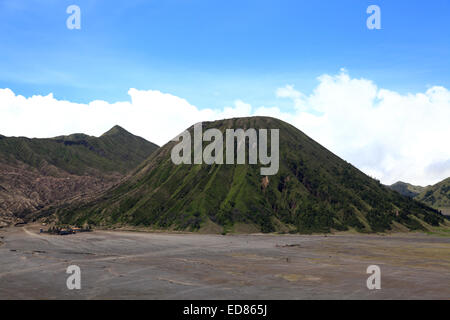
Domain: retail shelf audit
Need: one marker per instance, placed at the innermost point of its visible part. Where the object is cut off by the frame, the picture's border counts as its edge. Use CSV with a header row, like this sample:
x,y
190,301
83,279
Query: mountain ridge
x,y
437,196
37,172
407,189
115,130
314,191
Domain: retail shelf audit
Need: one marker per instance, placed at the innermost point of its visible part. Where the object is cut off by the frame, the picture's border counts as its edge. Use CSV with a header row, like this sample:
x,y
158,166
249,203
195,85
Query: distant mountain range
x,y
407,189
35,173
314,191
436,196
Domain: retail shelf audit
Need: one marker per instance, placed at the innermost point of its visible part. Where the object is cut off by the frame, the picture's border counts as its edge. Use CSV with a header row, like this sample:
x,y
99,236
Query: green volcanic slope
x,y
115,151
407,189
35,173
437,196
314,191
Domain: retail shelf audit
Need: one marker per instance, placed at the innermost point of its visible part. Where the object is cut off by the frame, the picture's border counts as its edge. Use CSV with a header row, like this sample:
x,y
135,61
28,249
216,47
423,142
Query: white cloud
x,y
388,135
151,114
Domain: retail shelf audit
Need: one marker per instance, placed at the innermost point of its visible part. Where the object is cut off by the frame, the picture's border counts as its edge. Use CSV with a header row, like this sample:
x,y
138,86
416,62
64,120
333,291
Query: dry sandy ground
x,y
131,265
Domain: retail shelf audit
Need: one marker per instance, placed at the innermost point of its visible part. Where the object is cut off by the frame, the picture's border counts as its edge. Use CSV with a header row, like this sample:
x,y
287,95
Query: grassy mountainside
x,y
437,196
407,189
35,173
314,191
115,151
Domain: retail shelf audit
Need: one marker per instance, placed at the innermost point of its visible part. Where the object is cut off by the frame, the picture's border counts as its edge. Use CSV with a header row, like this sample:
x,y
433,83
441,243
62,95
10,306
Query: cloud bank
x,y
387,135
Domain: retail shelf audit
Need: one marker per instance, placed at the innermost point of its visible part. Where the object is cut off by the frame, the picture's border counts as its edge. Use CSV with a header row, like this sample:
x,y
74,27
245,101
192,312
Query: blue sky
x,y
214,52
379,99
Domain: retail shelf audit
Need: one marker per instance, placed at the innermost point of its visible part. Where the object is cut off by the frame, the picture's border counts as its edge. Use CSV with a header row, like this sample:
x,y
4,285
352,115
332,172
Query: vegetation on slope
x,y
314,191
115,151
35,173
407,189
437,196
